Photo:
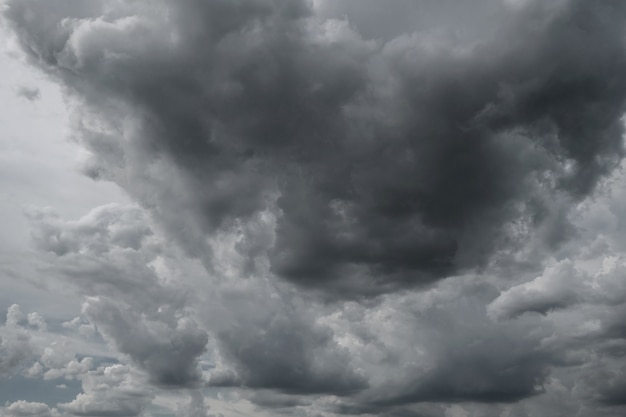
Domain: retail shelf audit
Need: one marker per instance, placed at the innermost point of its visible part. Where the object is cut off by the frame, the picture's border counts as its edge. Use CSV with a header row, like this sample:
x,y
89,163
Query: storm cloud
x,y
341,207
386,164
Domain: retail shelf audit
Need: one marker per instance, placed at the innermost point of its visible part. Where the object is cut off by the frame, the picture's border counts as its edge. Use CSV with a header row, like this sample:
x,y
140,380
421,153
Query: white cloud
x,y
28,409
112,391
36,320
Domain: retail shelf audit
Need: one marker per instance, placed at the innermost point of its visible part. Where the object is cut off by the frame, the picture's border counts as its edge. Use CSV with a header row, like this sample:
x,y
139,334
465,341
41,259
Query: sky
x,y
312,208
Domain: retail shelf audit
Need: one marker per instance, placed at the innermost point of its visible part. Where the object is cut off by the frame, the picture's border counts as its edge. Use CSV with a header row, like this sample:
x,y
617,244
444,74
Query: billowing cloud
x,y
288,355
15,343
166,346
336,215
386,164
28,409
107,255
150,314
561,286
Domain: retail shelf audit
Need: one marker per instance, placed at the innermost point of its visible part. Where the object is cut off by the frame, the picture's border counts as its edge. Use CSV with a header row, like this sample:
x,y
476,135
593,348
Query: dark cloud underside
x,y
387,165
274,149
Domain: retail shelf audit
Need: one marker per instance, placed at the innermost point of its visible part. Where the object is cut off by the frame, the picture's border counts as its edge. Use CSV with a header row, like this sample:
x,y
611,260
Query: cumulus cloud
x,y
166,346
29,409
83,328
560,286
70,370
387,164
27,349
289,355
338,218
443,348
110,391
15,343
108,256
36,320
123,227
262,332
581,297
14,316
14,350
563,285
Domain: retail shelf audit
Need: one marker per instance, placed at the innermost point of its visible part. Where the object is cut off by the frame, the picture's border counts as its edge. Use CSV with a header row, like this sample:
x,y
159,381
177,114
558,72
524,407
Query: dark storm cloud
x,y
467,360
488,372
350,166
387,164
165,346
288,355
112,256
271,341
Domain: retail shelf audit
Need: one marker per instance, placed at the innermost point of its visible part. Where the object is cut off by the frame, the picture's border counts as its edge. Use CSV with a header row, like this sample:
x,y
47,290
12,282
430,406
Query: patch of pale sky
x,y
38,168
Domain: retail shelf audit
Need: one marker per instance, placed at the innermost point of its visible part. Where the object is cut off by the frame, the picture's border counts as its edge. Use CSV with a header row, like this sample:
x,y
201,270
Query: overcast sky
x,y
312,208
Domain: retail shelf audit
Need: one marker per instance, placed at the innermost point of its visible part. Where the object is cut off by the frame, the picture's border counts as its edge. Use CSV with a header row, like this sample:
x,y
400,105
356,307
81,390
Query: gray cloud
x,y
387,164
28,409
29,93
289,355
148,311
560,286
106,256
166,346
16,348
272,400
462,356
581,296
276,146
113,391
269,338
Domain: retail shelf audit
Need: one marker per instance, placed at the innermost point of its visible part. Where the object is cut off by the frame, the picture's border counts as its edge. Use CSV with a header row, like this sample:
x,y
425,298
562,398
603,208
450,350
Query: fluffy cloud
x,y
108,256
15,343
149,311
37,354
28,409
110,391
69,370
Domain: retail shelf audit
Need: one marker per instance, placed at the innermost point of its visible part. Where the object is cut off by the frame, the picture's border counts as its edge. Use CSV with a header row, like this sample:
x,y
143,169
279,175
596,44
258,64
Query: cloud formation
x,y
107,256
109,391
28,409
15,346
385,164
338,216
